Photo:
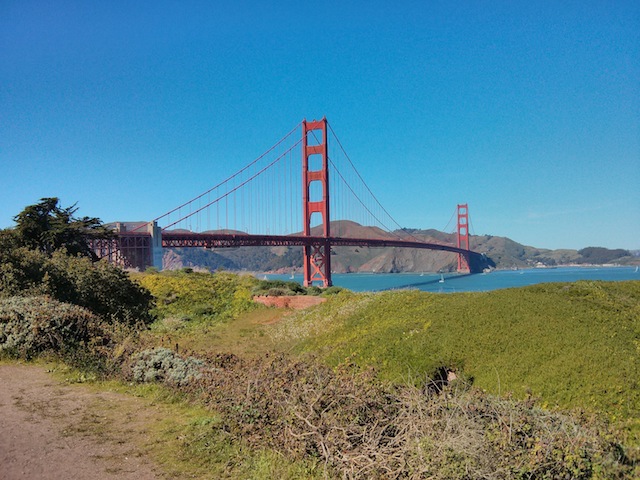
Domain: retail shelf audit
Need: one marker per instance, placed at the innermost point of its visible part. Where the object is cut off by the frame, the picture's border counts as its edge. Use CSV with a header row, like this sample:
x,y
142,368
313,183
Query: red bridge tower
x,y
463,237
317,256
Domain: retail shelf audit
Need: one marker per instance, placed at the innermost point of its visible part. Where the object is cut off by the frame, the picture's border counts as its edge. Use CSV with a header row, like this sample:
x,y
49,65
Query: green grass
x,y
199,297
572,345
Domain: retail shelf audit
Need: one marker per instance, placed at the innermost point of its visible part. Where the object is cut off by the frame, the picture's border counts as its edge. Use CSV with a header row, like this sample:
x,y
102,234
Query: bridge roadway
x,y
141,249
229,240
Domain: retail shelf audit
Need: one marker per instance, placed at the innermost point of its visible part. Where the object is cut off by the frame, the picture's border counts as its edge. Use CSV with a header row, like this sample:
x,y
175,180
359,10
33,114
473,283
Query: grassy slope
x,y
199,296
572,345
575,345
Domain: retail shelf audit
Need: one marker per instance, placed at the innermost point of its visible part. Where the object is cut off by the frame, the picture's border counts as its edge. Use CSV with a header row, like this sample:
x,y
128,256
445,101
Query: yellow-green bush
x,y
199,296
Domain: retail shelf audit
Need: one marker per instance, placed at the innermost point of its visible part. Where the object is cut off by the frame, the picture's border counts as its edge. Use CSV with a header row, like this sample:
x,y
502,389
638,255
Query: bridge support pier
x,y
156,245
316,258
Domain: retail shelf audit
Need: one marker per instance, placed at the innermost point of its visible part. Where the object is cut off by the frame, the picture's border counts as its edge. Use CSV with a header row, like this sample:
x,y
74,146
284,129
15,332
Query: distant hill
x,y
505,252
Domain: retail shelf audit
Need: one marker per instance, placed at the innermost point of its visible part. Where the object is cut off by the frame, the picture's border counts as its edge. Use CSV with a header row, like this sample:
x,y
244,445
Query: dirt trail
x,y
51,430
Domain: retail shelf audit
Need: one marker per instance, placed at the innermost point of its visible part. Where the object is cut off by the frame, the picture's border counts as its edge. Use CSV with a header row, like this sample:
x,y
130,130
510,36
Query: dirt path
x,y
51,430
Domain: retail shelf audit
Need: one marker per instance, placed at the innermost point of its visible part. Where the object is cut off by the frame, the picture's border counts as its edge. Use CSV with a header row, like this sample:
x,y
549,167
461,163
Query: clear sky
x,y
527,111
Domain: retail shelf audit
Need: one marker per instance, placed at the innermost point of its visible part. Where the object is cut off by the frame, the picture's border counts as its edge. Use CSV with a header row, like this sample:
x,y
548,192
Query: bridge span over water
x,y
269,191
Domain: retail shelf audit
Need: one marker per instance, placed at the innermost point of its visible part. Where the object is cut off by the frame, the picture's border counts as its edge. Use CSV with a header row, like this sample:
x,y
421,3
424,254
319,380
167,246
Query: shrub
x,y
574,345
278,292
161,364
21,271
277,288
200,296
102,288
30,326
333,290
314,290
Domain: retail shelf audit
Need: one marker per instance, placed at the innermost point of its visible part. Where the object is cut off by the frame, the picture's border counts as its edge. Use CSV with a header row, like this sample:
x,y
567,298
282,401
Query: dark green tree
x,y
47,227
48,253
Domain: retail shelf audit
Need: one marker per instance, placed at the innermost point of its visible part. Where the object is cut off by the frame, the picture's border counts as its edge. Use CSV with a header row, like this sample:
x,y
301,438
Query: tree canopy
x,y
47,227
600,255
48,253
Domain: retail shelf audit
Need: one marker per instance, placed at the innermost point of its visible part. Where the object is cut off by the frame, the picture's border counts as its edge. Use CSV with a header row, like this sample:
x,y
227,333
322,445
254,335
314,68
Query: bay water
x,y
452,282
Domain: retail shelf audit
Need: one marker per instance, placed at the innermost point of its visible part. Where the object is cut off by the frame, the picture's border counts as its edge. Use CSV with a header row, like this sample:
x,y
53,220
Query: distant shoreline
x,y
501,269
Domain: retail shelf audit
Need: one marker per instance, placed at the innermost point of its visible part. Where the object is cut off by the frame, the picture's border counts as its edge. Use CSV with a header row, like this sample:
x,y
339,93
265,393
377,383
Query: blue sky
x,y
527,111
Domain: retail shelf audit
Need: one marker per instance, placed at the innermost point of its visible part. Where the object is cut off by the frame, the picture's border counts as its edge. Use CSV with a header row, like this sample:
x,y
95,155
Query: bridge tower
x,y
316,255
463,237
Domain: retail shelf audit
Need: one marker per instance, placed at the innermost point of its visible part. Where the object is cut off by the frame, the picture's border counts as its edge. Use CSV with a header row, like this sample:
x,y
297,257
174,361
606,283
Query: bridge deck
x,y
133,249
221,240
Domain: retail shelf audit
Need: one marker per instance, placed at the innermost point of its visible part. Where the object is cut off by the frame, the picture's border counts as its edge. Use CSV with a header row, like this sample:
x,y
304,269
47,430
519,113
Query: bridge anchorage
x,y
260,206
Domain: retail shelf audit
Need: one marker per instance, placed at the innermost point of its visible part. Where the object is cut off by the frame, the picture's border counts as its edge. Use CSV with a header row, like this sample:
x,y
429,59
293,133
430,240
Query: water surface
x,y
450,282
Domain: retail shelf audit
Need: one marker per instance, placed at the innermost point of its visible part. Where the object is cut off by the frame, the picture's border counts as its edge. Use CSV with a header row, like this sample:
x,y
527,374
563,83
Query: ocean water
x,y
449,283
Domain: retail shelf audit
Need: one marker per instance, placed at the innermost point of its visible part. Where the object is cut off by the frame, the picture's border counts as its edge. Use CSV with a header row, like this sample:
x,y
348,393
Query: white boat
x,y
441,279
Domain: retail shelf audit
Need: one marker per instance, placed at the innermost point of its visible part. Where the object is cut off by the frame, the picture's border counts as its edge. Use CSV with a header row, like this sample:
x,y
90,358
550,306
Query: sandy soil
x,y
52,430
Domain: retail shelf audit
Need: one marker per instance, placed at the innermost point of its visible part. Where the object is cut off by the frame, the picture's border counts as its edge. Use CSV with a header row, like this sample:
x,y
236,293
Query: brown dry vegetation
x,y
355,426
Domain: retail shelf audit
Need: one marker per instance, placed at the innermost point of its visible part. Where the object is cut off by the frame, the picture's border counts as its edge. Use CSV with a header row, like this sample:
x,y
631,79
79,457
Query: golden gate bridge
x,y
278,200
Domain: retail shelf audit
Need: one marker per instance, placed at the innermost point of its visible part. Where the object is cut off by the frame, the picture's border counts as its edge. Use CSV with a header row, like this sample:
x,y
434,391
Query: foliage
x,y
30,326
569,344
197,296
102,288
599,255
161,364
333,290
359,427
186,440
8,241
48,254
314,290
48,227
575,345
22,271
277,288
